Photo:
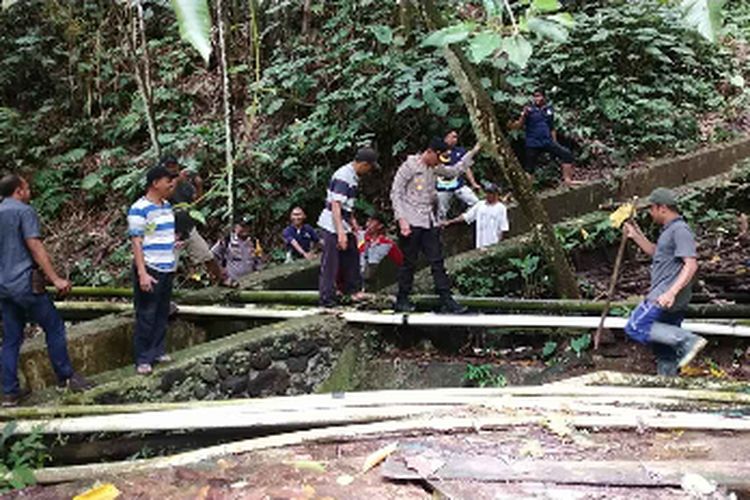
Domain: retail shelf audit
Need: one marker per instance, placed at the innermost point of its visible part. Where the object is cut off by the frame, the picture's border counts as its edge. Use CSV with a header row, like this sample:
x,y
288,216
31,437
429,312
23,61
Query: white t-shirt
x,y
491,221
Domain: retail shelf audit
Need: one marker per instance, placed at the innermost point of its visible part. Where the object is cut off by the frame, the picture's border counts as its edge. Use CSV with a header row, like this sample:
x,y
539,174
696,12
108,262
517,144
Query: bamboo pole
x,y
523,321
305,297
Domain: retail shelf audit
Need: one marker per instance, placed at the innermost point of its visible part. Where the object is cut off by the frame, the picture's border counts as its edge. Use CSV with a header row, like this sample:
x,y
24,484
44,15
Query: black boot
x,y
449,306
403,305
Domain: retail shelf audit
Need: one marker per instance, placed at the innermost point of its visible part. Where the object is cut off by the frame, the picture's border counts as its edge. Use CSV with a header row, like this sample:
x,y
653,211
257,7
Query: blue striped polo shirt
x,y
342,188
155,224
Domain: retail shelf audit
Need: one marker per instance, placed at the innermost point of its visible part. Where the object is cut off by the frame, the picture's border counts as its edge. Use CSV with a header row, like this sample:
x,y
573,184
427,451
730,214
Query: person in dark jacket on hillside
x,y
538,122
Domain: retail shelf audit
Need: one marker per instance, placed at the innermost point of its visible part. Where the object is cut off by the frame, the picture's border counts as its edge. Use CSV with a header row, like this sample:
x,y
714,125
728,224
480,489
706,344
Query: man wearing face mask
x,y
414,199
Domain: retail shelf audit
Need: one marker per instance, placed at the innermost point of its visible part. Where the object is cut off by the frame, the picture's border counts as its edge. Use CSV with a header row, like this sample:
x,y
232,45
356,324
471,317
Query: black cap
x,y
490,187
168,160
367,155
438,145
156,173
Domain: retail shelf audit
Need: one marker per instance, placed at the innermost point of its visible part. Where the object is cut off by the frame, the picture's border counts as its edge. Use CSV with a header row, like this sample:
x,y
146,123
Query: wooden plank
x,y
487,468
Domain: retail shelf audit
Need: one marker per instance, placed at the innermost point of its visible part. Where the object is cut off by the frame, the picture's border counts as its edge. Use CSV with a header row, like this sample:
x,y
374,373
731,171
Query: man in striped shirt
x,y
152,231
339,229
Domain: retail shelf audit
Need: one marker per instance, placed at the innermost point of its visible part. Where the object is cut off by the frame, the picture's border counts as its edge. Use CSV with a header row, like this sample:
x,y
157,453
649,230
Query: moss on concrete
x,y
124,385
345,374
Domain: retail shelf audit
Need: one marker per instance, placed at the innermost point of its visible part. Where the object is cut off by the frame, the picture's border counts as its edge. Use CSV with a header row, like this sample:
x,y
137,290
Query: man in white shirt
x,y
490,215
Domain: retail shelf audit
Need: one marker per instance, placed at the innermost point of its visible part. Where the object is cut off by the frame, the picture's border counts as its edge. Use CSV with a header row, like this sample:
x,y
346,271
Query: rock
x,y
200,391
260,361
697,485
298,364
304,347
234,385
170,378
208,373
268,382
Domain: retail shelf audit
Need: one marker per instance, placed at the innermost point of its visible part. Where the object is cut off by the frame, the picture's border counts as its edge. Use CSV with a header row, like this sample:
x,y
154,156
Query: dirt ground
x,y
333,470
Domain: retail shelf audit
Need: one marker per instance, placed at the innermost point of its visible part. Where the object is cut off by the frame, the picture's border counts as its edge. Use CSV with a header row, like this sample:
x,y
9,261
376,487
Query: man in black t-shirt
x,y
188,189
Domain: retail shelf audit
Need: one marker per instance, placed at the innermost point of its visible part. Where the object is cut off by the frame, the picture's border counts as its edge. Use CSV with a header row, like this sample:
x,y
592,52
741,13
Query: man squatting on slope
x,y
657,319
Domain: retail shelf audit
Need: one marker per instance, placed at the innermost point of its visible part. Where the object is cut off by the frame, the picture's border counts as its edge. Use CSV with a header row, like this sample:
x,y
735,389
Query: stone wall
x,y
286,358
97,346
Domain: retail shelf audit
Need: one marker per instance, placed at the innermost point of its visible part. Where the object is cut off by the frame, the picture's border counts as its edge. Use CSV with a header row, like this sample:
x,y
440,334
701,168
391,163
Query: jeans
x,y
464,193
334,262
151,317
19,310
642,319
428,241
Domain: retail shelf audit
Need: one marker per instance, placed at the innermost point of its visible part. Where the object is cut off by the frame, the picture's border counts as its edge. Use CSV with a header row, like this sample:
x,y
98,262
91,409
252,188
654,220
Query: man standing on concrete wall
x,y
414,199
454,187
657,319
151,225
25,267
339,228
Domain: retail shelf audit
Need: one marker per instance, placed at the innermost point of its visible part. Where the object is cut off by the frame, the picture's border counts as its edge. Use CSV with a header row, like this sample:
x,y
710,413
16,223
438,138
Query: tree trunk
x,y
137,36
488,131
227,112
306,16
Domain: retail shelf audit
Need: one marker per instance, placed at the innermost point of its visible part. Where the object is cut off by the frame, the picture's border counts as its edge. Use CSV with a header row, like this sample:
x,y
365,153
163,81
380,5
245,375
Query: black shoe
x,y
404,306
450,306
76,383
13,400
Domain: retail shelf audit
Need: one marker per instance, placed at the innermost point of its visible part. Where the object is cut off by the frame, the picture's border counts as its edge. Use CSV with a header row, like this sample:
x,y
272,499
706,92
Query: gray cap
x,y
663,196
367,155
490,187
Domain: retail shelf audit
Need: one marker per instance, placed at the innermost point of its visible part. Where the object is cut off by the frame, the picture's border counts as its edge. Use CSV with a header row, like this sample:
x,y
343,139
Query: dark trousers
x,y
427,241
151,316
335,262
19,310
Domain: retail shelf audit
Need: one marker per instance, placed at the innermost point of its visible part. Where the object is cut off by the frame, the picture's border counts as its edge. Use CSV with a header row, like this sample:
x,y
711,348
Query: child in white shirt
x,y
491,218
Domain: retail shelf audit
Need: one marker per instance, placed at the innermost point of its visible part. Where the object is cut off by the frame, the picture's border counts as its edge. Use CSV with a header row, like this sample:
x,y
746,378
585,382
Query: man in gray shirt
x,y
22,260
414,199
657,319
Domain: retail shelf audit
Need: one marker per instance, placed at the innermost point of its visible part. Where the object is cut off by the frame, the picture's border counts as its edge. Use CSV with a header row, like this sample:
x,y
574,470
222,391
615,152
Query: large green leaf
x,y
449,35
704,16
518,49
383,33
194,20
484,44
547,5
547,29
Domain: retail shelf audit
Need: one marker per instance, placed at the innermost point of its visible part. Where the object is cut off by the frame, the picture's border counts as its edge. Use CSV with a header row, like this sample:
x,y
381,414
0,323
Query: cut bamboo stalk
x,y
361,431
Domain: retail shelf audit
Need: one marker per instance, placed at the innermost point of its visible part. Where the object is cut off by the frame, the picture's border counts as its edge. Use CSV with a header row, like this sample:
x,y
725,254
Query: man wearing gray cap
x,y
339,227
657,319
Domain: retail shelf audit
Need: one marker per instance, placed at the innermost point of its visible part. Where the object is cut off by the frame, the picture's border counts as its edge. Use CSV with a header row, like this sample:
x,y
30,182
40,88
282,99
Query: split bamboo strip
x,y
381,429
430,397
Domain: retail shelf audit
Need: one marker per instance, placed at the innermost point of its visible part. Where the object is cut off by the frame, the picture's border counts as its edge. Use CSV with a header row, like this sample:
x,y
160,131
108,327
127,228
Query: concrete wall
x,y
97,346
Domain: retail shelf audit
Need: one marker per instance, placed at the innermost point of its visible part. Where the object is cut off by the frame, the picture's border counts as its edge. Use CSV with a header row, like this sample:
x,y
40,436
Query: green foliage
x,y
484,376
580,344
549,349
19,458
194,19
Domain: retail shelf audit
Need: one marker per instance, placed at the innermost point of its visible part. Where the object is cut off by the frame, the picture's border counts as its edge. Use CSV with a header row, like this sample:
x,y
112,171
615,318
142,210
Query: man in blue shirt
x,y
538,121
24,264
300,238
